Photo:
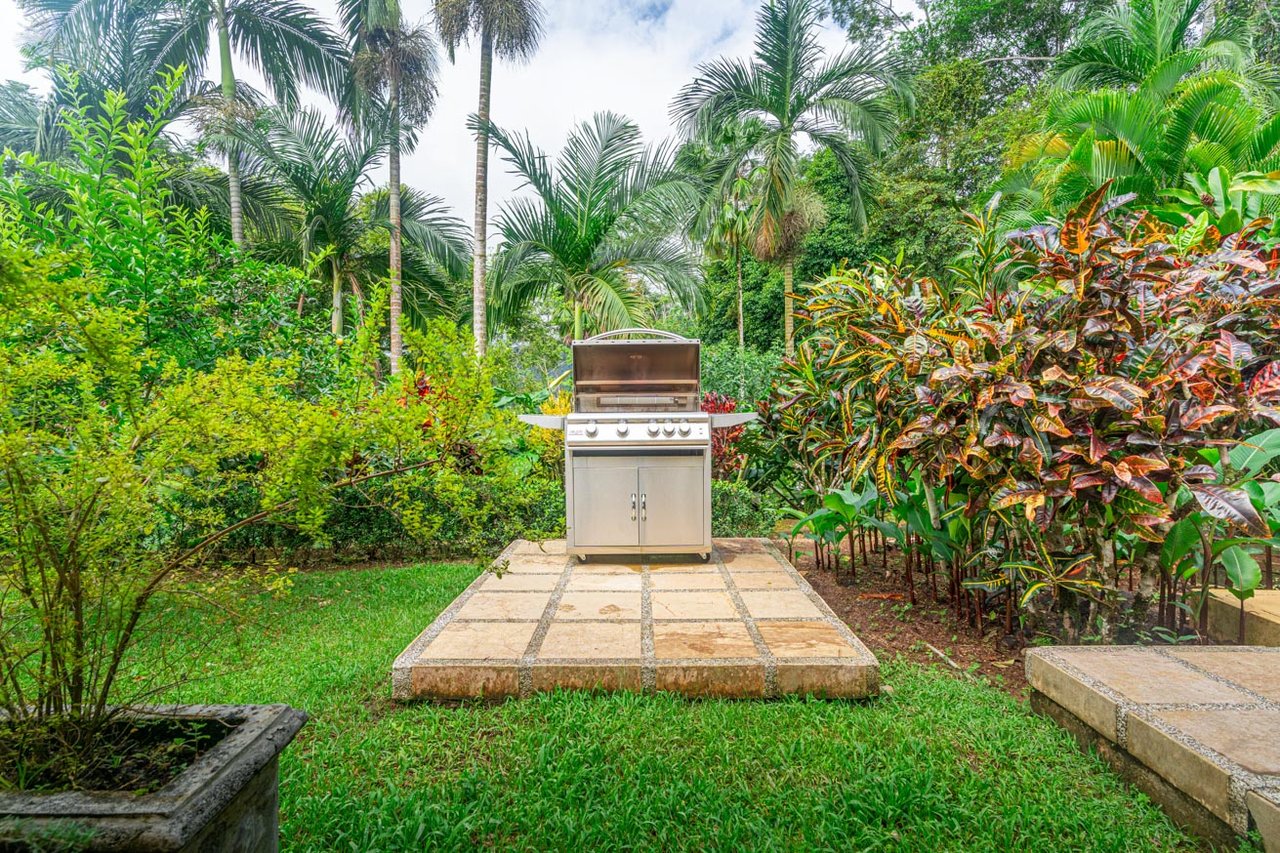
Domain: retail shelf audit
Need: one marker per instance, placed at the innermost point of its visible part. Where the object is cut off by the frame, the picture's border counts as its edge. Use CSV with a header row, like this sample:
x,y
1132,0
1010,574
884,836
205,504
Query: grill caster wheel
x,y
704,557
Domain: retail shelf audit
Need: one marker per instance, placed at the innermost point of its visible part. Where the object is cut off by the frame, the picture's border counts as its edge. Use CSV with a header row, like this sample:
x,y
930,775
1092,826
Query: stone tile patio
x,y
1261,617
745,624
1196,727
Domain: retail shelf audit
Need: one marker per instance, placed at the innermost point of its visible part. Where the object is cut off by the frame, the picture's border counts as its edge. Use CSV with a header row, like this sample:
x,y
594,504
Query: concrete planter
x,y
225,801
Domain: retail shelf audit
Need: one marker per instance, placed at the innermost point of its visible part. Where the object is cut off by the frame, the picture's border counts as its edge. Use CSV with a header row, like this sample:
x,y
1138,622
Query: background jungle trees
x,y
788,92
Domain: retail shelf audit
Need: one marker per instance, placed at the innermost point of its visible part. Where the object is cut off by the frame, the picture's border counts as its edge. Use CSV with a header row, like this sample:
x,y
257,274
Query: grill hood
x,y
636,370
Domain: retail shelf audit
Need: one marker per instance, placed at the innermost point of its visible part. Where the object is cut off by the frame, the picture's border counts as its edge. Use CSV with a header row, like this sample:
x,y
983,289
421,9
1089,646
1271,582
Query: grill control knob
x,y
684,427
668,428
653,427
623,429
592,429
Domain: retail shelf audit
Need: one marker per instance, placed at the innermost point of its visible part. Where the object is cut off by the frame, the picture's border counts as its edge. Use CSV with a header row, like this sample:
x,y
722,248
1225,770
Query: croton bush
x,y
1081,410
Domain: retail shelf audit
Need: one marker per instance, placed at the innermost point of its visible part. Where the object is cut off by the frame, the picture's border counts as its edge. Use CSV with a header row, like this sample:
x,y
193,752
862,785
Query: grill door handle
x,y
644,510
633,506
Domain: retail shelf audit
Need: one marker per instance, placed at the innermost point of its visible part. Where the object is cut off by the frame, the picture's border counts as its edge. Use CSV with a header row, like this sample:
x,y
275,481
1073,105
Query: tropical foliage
x,y
1092,392
339,225
597,230
1169,102
791,91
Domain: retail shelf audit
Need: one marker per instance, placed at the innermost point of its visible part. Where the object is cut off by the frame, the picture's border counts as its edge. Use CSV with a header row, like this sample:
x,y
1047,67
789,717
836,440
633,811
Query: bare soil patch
x,y
877,609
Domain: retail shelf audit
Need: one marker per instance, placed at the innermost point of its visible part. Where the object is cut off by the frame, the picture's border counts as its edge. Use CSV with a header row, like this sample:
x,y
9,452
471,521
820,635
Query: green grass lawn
x,y
938,764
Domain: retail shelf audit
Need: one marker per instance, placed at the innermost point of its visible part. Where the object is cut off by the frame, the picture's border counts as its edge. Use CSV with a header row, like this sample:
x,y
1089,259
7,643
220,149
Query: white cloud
x,y
629,56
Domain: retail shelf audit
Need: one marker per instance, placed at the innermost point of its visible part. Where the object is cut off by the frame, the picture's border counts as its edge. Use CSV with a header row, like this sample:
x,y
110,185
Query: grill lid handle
x,y
635,330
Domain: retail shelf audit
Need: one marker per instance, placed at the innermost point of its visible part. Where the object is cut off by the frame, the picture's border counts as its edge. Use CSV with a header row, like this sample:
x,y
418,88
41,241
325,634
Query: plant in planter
x,y
117,469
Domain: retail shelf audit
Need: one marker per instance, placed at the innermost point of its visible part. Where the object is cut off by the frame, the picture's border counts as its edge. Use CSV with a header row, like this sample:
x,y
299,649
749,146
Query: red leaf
x,y
1266,382
1123,395
1231,352
1196,417
1231,505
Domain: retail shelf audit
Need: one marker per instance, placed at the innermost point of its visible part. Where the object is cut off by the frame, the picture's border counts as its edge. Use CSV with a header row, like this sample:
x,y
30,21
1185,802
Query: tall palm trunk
x,y
335,318
393,198
737,260
788,320
234,196
478,297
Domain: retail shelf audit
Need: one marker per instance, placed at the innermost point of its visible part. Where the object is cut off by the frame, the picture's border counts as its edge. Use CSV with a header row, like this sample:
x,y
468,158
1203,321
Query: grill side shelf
x,y
555,422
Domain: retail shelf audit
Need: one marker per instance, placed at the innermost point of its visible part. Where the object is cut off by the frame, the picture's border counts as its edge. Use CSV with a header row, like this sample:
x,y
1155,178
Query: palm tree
x,y
324,173
730,233
396,65
511,29
598,229
806,214
1126,45
285,41
792,91
1177,105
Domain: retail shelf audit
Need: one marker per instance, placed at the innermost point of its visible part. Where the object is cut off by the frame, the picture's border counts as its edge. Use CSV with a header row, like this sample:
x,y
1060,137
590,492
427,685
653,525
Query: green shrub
x,y
455,515
745,376
738,511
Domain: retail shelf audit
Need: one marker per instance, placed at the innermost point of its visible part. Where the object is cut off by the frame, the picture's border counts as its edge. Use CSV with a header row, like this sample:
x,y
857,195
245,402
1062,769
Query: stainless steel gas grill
x,y
637,446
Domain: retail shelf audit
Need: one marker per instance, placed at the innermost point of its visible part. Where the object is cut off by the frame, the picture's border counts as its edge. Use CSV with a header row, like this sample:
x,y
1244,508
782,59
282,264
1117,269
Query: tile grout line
x,y
767,660
648,654
1265,701
524,675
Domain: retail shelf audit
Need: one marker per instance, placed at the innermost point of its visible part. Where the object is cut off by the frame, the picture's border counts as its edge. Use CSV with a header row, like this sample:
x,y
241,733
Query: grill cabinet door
x,y
605,501
671,500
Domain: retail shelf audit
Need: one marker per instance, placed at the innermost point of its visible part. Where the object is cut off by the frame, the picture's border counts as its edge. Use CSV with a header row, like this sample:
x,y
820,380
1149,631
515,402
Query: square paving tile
x,y
598,605
817,639
780,604
602,567
546,546
591,640
511,606
1143,678
751,562
686,580
536,564
518,582
591,581
1249,740
675,640
1256,669
741,546
764,580
708,604
668,624
481,641
665,566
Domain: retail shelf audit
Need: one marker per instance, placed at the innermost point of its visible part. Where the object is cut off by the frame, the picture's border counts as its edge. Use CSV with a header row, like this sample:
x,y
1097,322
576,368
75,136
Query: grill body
x,y
637,447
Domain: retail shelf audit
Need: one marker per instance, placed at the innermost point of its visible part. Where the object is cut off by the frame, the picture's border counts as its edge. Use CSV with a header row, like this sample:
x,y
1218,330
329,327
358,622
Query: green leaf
x,y
1252,454
1182,537
1242,570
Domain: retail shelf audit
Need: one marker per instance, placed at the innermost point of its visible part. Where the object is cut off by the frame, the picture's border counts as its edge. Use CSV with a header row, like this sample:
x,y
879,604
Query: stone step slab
x,y
1203,719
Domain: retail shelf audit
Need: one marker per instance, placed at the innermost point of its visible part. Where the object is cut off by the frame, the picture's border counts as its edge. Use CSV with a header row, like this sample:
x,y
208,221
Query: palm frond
x,y
290,45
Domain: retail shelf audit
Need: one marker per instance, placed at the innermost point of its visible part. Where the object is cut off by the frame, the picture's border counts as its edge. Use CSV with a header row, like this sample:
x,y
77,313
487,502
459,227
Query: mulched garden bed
x,y
877,609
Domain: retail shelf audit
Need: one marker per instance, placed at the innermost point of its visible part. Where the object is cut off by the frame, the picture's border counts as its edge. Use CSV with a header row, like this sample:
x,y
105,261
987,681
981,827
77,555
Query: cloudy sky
x,y
630,56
